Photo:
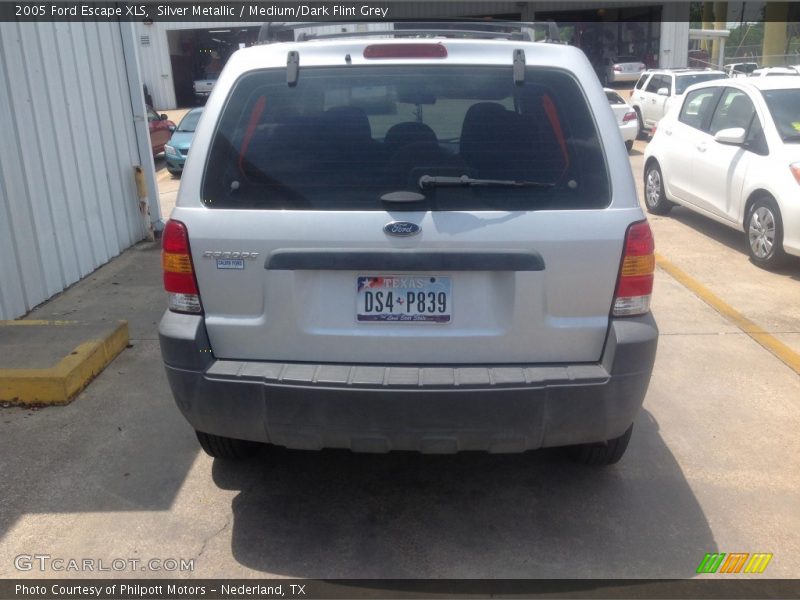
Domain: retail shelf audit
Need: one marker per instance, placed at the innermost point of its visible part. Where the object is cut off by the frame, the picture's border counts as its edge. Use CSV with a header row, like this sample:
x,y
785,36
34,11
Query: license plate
x,y
405,299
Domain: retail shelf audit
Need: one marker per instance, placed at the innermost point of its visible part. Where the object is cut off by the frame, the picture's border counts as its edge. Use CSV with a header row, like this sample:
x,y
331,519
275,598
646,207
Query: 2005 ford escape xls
x,y
415,243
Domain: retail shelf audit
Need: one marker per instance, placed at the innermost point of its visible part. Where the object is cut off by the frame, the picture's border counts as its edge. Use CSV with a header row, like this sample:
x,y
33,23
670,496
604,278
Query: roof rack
x,y
475,29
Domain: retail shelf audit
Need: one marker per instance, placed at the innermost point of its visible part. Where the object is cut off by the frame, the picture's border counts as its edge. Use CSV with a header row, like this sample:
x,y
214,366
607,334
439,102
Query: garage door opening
x,y
200,53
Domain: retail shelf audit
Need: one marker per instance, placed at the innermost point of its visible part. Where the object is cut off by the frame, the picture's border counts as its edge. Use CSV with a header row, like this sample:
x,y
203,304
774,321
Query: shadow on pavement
x,y
337,514
735,240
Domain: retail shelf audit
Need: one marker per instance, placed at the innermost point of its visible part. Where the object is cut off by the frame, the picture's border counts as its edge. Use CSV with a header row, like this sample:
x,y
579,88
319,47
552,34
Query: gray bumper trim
x,y
437,409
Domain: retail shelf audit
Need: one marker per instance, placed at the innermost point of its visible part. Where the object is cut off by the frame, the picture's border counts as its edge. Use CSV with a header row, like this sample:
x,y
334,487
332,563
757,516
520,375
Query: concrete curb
x,y
61,383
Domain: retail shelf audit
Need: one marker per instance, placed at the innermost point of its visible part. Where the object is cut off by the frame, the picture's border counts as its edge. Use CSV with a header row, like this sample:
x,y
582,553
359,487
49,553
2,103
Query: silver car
x,y
409,243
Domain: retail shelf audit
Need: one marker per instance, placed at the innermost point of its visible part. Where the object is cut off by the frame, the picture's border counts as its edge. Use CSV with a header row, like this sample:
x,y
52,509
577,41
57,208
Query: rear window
x,y
441,138
684,81
614,98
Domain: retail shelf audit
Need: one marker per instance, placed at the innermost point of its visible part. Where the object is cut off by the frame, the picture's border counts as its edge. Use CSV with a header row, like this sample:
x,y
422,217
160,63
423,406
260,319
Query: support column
x,y
775,17
720,22
708,23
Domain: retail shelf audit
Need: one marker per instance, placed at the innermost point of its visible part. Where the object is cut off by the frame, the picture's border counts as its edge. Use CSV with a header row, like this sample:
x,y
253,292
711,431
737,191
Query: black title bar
x,y
180,10
268,589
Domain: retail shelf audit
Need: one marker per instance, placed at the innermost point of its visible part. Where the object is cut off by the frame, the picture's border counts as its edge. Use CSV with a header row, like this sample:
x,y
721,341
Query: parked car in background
x,y
470,270
623,68
176,150
741,69
161,129
202,87
658,89
626,117
775,72
731,151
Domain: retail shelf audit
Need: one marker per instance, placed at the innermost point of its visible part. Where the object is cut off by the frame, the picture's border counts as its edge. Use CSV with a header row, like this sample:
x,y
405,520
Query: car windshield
x,y
189,122
784,106
684,81
364,138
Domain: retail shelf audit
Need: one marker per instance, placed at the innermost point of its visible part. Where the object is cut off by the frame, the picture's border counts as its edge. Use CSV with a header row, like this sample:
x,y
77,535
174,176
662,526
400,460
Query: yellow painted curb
x,y
781,351
61,383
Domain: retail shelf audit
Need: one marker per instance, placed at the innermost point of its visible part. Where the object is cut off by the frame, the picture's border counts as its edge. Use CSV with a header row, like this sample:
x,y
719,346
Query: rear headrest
x,y
480,120
409,132
348,123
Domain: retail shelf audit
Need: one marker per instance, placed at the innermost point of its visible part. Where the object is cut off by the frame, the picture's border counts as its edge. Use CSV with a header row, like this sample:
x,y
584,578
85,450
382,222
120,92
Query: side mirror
x,y
171,128
663,91
164,117
732,137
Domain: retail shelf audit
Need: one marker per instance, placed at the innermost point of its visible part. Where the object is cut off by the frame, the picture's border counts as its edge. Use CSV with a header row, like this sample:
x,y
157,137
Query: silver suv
x,y
410,243
658,89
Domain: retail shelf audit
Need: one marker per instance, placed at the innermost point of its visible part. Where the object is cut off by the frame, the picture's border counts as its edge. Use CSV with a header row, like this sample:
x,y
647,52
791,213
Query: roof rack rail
x,y
477,29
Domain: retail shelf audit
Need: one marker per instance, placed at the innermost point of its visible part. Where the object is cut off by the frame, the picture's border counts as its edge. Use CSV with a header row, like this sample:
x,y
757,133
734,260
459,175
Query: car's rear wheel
x,y
655,199
629,145
602,453
217,446
764,231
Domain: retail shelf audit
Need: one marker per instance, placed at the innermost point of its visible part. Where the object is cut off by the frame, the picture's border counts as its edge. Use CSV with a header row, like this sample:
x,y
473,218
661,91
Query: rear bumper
x,y
629,130
495,408
616,77
175,163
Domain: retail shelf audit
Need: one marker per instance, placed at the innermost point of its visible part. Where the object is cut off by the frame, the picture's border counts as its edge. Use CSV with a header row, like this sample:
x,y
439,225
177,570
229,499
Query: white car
x,y
429,244
622,69
775,72
731,151
742,69
626,117
658,89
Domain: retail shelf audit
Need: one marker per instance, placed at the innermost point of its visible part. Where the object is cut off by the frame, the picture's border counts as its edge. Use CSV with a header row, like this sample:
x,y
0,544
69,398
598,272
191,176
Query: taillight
x,y
630,116
617,68
405,51
176,260
795,168
635,281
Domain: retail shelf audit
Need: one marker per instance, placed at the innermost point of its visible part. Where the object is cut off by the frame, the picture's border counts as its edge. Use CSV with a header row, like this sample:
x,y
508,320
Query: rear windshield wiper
x,y
429,181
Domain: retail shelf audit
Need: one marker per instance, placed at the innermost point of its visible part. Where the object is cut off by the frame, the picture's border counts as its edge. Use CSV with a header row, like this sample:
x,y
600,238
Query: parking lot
x,y
713,465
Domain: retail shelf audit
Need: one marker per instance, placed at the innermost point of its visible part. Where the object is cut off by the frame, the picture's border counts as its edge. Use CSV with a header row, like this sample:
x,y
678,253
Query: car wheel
x,y
602,453
655,198
174,172
641,134
217,446
629,145
764,231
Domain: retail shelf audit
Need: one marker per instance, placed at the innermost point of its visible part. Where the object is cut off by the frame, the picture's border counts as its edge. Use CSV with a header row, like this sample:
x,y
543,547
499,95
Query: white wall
x,y
68,144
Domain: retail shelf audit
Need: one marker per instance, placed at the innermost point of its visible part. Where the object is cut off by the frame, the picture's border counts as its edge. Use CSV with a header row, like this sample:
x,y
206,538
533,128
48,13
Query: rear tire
x,y
629,145
655,198
764,234
226,448
602,453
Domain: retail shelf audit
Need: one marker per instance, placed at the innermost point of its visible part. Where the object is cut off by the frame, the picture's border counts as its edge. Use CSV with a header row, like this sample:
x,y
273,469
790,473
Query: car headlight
x,y
170,150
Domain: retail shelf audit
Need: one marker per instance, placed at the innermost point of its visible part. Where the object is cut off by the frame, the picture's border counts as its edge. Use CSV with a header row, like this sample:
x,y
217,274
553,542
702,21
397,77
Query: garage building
x,y
173,55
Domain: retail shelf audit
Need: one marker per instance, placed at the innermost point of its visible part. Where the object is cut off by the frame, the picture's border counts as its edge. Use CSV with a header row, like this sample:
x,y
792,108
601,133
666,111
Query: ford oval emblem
x,y
401,228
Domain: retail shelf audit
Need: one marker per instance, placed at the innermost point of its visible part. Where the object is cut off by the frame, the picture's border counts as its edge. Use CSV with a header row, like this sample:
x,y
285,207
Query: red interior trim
x,y
555,123
255,117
